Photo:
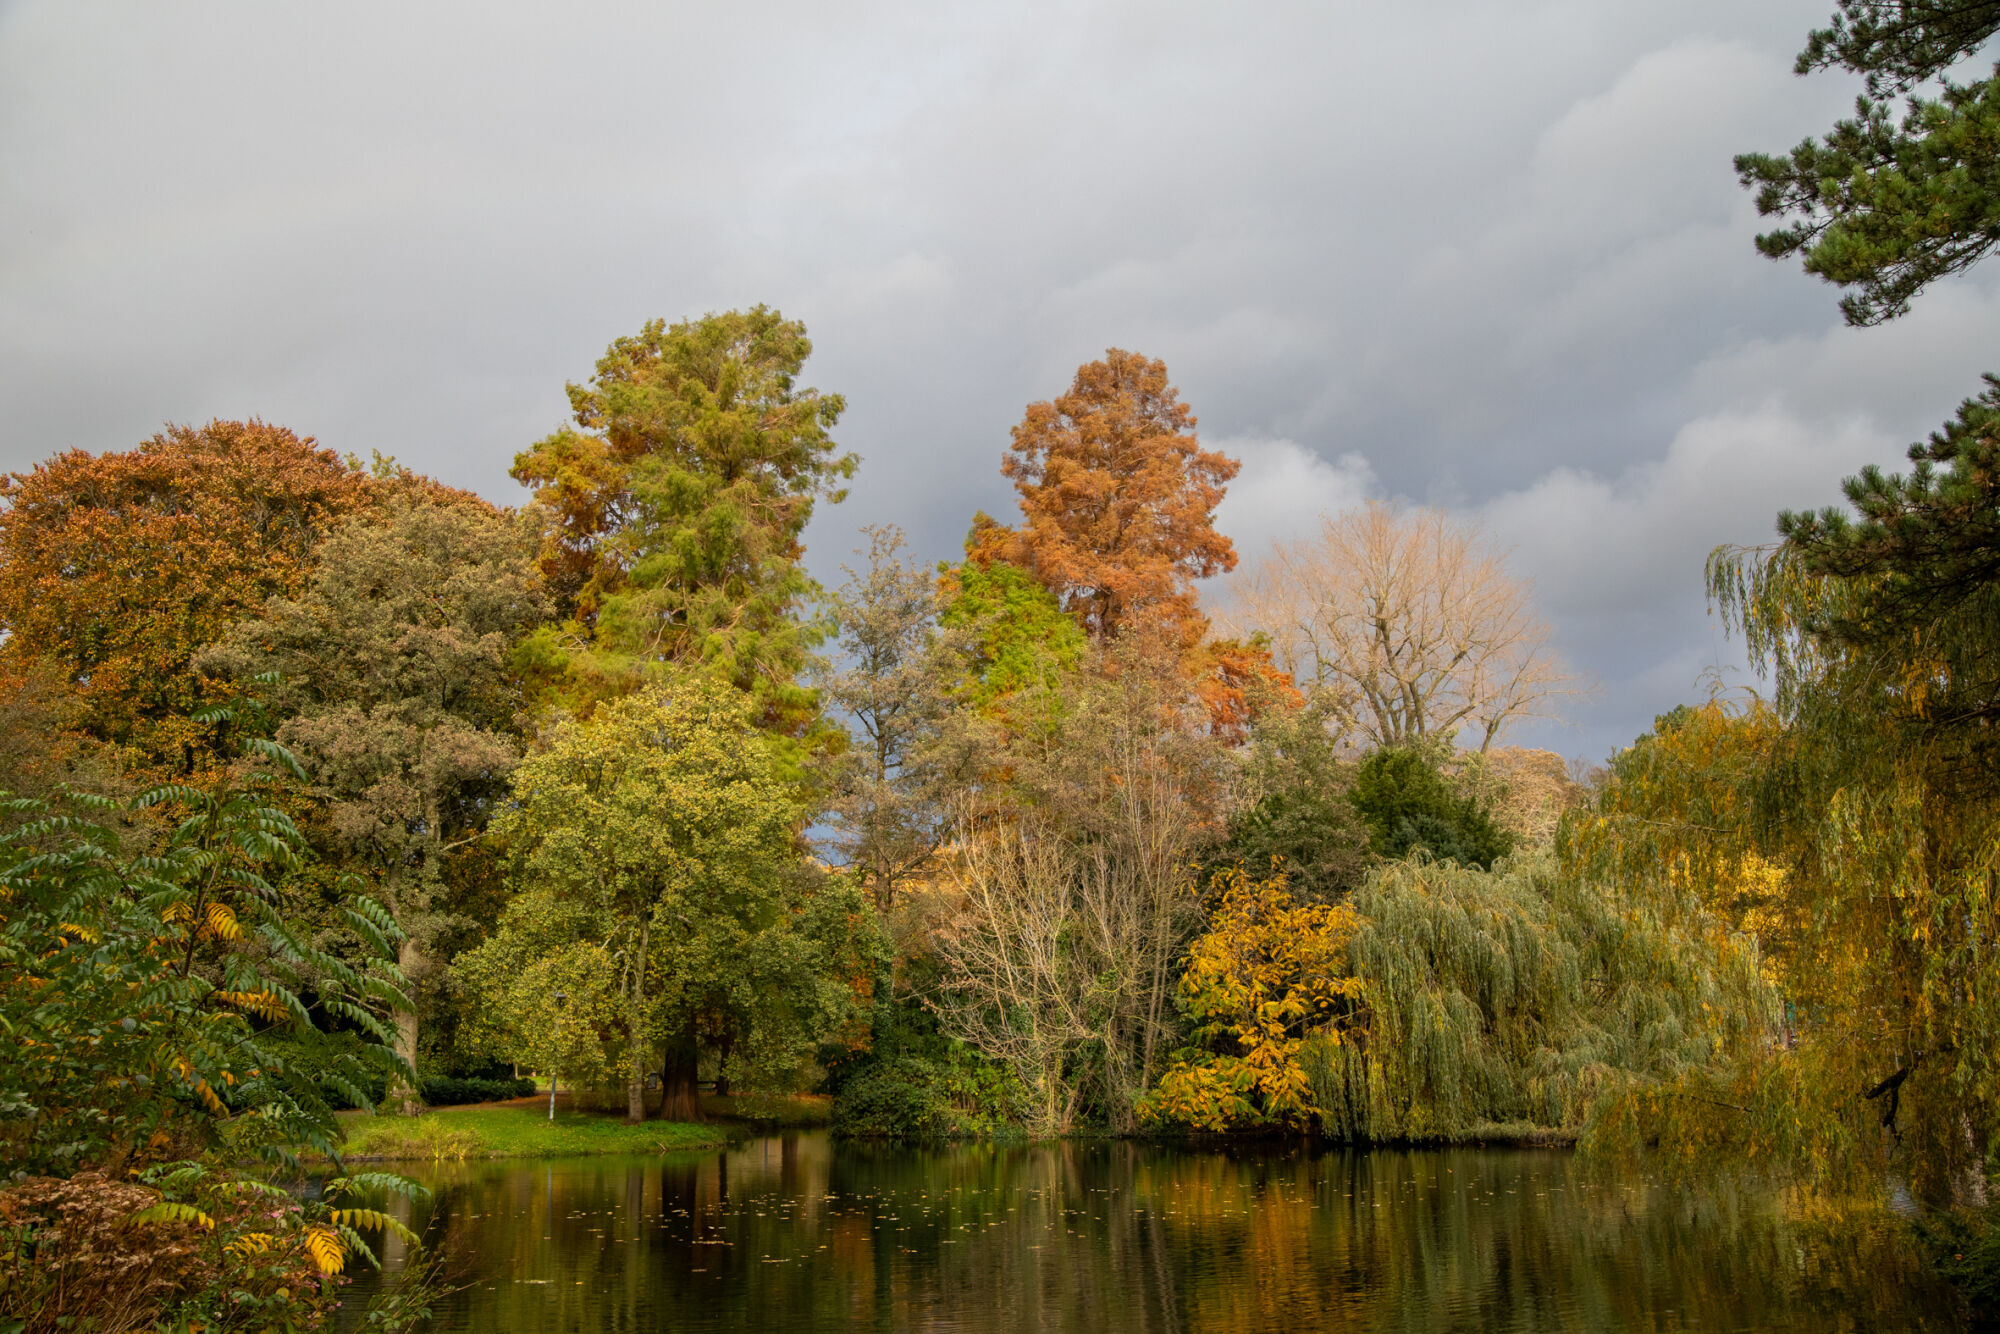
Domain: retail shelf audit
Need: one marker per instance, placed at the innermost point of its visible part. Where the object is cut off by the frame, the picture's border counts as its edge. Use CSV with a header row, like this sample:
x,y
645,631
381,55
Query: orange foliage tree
x,y
1118,499
115,569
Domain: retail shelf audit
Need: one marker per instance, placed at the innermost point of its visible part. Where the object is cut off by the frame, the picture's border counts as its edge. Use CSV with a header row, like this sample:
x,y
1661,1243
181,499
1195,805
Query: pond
x,y
802,1232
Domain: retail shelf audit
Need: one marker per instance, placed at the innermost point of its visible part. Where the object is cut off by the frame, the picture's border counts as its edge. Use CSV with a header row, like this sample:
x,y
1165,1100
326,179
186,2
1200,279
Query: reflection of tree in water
x,y
795,1232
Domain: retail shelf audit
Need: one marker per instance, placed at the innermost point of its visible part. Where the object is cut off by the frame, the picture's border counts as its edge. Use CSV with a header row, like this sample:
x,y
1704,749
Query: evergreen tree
x,y
673,510
1407,803
1886,204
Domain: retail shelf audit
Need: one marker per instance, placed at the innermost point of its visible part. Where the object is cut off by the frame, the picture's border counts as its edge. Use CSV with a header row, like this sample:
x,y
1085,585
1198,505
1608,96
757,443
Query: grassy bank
x,y
517,1131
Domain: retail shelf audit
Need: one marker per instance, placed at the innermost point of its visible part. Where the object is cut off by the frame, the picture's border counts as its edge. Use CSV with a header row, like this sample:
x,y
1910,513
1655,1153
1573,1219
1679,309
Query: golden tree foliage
x,y
1269,975
1863,857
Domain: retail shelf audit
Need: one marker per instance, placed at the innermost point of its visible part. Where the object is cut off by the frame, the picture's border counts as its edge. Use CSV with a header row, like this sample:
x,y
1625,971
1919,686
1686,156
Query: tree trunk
x,y
636,1029
680,1088
404,1096
728,1044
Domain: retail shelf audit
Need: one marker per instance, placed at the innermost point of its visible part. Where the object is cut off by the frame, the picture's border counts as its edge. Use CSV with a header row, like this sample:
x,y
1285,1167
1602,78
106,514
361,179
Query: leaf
x,y
325,1248
375,1218
171,1211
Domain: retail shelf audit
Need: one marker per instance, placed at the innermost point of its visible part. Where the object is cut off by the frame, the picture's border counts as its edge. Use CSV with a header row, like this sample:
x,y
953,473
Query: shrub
x,y
1408,803
454,1092
898,1098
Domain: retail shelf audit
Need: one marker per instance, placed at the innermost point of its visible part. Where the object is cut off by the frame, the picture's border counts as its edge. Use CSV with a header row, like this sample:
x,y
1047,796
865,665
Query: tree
x,y
663,828
1407,804
1076,892
1269,975
1118,499
1532,994
1292,812
138,991
399,696
1018,639
118,568
1877,206
1411,622
1867,788
896,684
143,997
673,512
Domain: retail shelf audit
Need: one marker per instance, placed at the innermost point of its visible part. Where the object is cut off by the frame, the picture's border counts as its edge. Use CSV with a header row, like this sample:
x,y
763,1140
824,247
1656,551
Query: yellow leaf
x,y
323,1244
222,923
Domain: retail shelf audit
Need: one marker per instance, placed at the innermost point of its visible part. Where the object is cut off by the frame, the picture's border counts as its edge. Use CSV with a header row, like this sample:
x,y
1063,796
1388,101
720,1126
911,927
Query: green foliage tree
x,y
1885,205
141,996
1530,996
896,685
1407,802
1017,643
673,510
136,989
399,695
664,829
1293,811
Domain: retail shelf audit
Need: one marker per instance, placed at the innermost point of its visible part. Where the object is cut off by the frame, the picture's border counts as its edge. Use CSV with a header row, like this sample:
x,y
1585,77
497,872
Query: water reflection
x,y
796,1232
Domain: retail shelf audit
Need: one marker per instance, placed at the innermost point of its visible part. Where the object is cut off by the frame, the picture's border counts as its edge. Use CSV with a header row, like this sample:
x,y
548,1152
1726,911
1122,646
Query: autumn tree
x,y
398,693
1117,499
118,568
1267,976
1855,816
673,509
1076,892
1409,622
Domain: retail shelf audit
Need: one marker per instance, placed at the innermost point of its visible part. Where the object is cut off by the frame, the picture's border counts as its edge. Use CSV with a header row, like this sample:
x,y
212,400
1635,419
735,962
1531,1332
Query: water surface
x,y
800,1232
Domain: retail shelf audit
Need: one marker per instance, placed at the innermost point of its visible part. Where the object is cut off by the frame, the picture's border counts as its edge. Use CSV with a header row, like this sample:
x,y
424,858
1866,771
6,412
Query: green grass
x,y
518,1132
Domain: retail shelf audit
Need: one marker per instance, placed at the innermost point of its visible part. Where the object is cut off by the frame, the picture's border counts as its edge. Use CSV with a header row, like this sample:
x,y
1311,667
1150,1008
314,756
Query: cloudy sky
x,y
1485,256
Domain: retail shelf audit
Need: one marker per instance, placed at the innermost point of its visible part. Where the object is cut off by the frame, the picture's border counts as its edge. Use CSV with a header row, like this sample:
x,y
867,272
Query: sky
x,y
1491,258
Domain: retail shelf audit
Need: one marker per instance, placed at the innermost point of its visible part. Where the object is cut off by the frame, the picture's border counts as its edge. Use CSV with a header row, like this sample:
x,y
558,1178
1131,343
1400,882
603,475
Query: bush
x,y
898,1098
1408,803
914,1097
452,1092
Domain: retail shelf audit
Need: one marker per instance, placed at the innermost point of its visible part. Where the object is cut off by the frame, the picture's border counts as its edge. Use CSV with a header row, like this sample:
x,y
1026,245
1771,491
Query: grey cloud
x,y
1491,256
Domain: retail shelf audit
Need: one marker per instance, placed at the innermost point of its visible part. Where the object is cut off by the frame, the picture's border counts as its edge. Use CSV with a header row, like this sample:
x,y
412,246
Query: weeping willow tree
x,y
1524,996
1863,796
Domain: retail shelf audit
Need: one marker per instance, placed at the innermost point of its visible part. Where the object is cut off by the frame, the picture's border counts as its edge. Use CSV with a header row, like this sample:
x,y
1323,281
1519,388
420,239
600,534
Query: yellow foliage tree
x,y
1269,975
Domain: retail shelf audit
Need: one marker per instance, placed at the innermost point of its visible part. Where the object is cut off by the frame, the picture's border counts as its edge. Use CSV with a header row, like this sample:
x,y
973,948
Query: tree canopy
x,y
672,512
119,568
1118,499
398,693
663,828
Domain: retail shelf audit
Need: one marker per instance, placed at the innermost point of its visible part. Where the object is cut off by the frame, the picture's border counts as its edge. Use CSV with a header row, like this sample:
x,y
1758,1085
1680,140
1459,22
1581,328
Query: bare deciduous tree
x,y
1411,621
1059,958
